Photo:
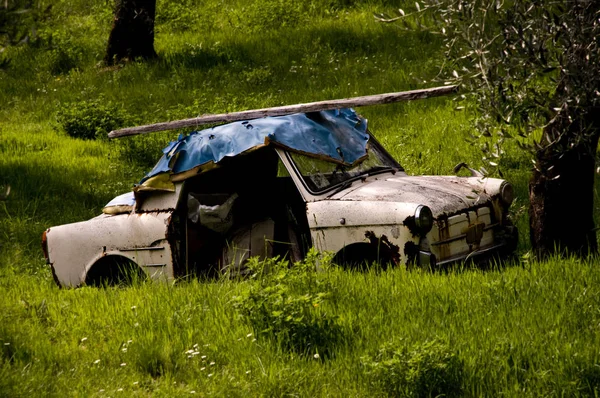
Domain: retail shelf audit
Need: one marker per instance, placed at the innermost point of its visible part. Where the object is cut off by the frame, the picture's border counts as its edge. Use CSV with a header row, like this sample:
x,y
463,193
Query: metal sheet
x,y
74,248
443,194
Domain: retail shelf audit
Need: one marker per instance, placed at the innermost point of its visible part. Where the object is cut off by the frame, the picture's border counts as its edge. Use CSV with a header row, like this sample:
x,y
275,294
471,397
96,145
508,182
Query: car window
x,y
282,171
320,175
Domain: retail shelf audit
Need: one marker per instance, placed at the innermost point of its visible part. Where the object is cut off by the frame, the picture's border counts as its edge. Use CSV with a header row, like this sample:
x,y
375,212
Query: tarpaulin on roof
x,y
337,135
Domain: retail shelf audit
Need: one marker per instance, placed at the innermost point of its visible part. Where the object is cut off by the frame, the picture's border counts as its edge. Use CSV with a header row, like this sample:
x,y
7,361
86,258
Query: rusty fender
x,y
336,224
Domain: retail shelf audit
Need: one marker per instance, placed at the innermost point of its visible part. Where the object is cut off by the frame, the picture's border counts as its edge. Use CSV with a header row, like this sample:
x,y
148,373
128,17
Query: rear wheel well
x,y
112,271
361,256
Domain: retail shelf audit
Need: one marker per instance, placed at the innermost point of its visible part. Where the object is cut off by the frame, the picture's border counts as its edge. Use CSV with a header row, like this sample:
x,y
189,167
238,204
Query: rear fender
x,y
148,259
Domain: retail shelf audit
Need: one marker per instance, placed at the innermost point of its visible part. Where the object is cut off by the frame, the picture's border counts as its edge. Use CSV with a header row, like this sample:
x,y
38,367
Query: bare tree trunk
x,y
561,194
132,34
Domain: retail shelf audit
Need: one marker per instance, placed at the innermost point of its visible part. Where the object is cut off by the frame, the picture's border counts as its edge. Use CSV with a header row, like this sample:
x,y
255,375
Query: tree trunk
x,y
132,34
561,194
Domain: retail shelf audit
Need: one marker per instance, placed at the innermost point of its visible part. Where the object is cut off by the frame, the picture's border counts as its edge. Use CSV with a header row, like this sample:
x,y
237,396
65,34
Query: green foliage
x,y
19,20
64,52
285,305
179,16
90,119
274,14
143,151
524,331
430,369
94,119
527,66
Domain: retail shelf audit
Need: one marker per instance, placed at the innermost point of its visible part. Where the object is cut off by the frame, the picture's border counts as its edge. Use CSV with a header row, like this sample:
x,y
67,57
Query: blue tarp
x,y
337,135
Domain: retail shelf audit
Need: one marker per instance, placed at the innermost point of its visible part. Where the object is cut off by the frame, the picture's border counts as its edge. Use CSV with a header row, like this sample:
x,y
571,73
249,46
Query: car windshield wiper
x,y
342,186
380,169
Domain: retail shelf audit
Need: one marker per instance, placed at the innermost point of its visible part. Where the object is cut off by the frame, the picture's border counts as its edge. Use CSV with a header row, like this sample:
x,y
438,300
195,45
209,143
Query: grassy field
x,y
524,329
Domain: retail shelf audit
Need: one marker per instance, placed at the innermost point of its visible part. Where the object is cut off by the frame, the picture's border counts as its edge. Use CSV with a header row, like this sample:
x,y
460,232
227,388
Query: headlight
x,y
424,219
507,193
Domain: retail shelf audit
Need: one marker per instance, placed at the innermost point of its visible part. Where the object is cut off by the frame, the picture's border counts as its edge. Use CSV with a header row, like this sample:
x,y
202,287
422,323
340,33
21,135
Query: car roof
x,y
339,136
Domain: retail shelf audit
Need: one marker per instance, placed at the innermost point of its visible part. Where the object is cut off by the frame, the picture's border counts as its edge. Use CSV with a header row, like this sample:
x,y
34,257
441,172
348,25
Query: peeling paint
x,y
411,251
410,223
386,249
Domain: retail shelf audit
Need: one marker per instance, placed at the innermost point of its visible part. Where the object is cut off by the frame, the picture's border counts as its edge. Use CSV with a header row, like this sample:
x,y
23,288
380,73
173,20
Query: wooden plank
x,y
377,99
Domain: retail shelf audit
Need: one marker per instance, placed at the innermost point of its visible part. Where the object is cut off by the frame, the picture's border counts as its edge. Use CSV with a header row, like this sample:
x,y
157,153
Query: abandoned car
x,y
279,186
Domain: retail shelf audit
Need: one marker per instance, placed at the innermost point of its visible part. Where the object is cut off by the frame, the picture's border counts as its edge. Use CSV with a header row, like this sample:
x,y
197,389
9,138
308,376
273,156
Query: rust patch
x,y
55,277
386,249
154,211
411,251
475,233
444,233
410,223
175,234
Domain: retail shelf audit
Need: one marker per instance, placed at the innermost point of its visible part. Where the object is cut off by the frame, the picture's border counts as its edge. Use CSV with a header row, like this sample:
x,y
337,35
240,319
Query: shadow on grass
x,y
273,49
41,198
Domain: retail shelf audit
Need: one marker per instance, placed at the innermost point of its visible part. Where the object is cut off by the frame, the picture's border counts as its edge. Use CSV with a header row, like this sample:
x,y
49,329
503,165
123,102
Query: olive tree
x,y
132,33
533,70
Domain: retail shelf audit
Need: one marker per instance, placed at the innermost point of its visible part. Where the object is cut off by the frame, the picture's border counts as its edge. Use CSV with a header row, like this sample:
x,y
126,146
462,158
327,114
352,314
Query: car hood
x,y
442,194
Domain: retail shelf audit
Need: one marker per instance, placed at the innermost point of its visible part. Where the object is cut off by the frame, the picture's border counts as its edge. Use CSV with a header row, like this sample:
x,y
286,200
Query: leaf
x,y
418,6
401,12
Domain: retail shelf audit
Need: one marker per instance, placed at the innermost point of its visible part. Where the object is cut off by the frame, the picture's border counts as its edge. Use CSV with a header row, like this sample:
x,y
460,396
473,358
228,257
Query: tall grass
x,y
520,331
523,330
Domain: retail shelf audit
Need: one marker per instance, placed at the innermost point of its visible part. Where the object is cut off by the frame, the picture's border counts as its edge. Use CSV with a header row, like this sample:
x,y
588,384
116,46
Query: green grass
x,y
521,331
528,329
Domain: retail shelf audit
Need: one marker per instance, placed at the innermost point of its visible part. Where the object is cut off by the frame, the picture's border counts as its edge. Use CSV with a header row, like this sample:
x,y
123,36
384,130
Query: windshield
x,y
321,175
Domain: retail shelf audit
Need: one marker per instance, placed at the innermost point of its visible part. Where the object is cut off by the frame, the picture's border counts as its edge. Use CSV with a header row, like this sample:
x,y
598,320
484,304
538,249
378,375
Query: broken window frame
x,y
374,148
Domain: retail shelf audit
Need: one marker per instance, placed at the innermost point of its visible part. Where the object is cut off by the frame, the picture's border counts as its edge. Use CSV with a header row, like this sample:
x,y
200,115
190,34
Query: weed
x,y
154,359
178,16
284,304
274,14
90,119
589,377
143,151
520,331
430,369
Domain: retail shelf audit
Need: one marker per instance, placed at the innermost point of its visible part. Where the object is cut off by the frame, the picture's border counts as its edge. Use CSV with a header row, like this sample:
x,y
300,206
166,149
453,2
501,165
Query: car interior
x,y
246,207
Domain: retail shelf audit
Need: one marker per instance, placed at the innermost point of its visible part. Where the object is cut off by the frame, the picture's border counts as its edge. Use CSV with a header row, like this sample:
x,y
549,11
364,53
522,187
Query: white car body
x,y
370,217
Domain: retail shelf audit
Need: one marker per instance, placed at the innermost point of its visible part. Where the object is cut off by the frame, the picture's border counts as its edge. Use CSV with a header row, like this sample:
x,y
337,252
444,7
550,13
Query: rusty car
x,y
279,186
